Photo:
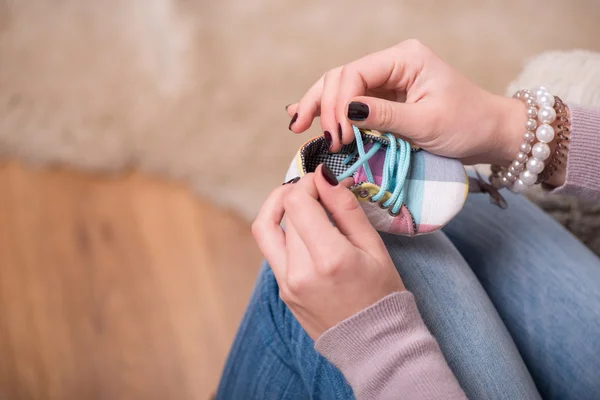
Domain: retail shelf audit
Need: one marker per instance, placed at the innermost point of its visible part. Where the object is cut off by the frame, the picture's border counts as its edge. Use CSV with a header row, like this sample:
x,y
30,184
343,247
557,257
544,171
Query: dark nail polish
x,y
328,139
358,111
329,175
340,132
294,118
288,106
296,179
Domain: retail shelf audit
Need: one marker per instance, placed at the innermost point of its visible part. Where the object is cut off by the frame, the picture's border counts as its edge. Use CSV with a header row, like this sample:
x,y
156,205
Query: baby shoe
x,y
403,190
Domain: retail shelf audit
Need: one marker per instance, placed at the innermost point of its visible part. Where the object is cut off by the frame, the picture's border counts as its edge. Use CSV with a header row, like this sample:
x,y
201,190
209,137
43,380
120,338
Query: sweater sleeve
x,y
583,160
386,352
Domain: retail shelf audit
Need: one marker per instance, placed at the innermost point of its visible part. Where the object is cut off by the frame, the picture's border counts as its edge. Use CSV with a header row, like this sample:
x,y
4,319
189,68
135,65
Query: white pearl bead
x,y
528,178
513,170
530,124
527,94
522,157
541,151
519,94
545,100
525,148
530,102
529,137
510,176
538,90
546,115
517,165
518,186
545,133
535,166
531,112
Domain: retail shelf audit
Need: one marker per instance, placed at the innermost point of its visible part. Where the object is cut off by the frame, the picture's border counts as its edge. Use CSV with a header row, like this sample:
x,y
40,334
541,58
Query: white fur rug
x,y
196,89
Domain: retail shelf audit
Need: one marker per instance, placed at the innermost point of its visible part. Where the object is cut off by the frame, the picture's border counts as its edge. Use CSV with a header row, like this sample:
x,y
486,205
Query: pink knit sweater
x,y
386,351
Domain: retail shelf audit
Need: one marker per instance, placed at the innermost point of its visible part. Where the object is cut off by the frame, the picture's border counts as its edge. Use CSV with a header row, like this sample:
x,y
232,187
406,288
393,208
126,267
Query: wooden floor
x,y
115,288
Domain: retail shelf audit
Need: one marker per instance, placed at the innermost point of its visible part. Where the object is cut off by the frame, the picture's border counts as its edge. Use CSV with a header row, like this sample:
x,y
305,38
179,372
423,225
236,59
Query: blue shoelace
x,y
395,167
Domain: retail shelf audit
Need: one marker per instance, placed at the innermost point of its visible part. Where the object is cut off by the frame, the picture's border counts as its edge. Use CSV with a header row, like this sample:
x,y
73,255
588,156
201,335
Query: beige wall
x,y
197,89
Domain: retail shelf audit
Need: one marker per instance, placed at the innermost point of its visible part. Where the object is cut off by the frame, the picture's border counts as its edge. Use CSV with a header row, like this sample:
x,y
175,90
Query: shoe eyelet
x,y
392,213
363,193
382,206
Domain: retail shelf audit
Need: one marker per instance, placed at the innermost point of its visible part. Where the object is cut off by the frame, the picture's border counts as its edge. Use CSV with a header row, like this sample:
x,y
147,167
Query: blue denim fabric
x,y
512,298
544,284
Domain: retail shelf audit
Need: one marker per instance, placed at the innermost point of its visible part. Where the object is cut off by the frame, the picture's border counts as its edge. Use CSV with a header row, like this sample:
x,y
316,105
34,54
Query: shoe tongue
x,y
375,162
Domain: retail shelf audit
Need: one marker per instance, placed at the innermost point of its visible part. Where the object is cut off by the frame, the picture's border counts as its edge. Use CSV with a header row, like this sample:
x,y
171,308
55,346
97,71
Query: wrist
x,y
534,162
510,126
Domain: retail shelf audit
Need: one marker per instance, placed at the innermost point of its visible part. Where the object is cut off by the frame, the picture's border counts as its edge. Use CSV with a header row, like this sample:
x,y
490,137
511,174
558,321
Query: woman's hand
x,y
325,273
409,91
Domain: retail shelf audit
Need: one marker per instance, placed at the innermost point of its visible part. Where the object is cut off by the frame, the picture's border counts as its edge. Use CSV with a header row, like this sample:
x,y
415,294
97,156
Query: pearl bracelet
x,y
530,161
563,127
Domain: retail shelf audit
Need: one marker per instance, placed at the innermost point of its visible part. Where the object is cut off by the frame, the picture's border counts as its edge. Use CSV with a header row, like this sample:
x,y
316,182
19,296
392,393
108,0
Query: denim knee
x,y
277,321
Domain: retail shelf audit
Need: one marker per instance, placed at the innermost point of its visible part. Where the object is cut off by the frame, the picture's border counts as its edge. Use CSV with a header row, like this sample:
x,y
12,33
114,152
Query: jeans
x,y
512,298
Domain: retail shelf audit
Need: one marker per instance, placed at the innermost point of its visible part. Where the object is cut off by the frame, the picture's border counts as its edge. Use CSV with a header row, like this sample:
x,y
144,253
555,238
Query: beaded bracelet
x,y
529,162
563,128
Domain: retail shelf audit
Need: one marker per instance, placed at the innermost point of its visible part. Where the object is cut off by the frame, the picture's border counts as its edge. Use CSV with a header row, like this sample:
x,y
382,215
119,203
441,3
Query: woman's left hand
x,y
325,273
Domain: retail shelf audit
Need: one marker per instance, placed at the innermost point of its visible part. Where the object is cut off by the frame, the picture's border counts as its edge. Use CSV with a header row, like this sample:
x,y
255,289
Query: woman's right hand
x,y
409,91
326,273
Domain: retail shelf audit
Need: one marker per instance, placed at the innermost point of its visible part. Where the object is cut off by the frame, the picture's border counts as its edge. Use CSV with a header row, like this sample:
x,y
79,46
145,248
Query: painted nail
x,y
358,111
329,175
328,140
288,106
296,179
340,132
294,118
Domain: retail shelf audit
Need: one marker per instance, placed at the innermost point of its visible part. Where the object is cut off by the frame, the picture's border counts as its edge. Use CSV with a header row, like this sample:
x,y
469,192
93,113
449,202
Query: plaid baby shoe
x,y
403,190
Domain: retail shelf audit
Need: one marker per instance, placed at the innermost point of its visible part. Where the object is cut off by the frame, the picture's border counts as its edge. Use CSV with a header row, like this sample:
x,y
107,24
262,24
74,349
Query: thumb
x,y
386,116
346,212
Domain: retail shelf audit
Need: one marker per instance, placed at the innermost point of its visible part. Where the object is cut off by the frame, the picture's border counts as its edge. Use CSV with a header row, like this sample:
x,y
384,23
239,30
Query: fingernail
x,y
327,136
329,175
294,118
288,106
340,132
296,179
358,111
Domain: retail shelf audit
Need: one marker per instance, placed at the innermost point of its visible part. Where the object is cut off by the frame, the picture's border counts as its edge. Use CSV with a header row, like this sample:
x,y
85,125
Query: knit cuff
x,y
351,341
583,159
387,352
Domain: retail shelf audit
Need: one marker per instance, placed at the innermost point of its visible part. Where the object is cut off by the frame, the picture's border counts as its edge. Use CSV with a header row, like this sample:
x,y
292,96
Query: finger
x,y
329,122
345,210
347,182
310,219
291,109
295,244
268,232
301,270
307,109
296,252
395,68
408,120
